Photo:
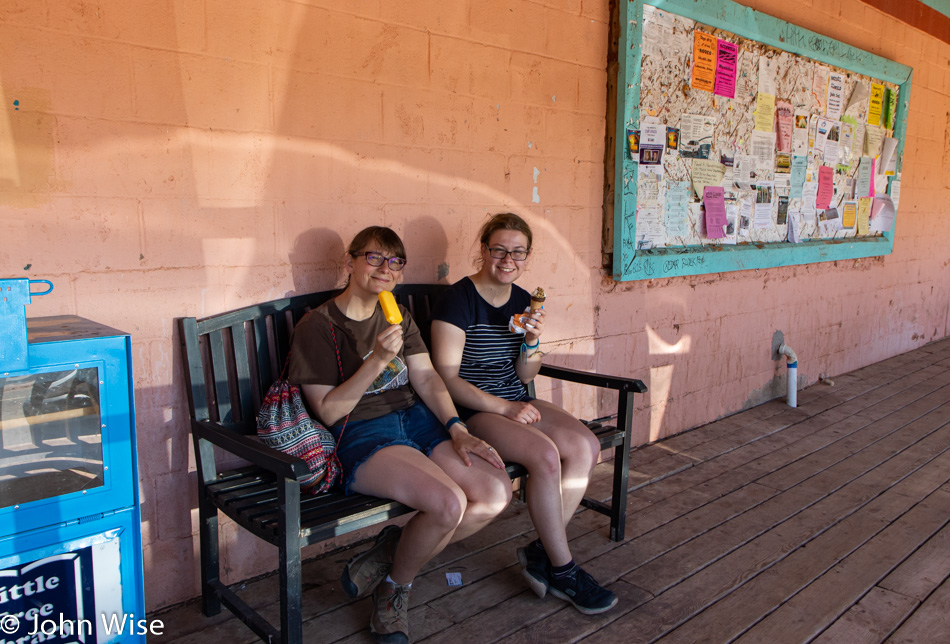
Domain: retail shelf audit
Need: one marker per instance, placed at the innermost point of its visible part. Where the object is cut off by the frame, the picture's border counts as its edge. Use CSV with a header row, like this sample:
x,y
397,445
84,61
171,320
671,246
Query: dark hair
x,y
386,238
504,221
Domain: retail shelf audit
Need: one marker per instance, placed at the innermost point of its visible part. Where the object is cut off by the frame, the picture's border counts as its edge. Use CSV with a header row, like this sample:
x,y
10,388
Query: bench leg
x,y
208,537
618,502
207,534
291,615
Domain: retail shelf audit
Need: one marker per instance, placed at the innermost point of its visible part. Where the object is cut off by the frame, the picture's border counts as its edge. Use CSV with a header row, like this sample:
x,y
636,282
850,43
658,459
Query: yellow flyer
x,y
876,104
848,214
764,112
864,215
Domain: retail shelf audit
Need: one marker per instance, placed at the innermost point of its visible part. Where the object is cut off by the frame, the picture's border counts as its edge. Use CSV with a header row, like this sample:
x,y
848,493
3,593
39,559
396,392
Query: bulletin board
x,y
746,142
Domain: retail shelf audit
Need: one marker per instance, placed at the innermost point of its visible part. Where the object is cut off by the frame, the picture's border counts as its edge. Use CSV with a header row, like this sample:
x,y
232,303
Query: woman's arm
x,y
431,389
333,403
448,341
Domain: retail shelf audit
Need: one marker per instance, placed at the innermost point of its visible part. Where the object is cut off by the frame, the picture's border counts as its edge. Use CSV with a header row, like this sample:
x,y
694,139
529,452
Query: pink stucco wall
x,y
185,157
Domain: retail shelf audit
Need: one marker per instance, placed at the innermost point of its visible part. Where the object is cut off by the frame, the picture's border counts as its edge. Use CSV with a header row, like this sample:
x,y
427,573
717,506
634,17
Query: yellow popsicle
x,y
390,309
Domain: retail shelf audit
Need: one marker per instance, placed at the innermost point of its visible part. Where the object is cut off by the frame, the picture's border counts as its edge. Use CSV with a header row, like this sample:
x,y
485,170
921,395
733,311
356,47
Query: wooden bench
x,y
230,360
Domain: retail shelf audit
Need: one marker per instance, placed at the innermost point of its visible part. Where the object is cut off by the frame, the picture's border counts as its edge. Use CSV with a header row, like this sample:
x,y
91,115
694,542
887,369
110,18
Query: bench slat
x,y
242,367
219,373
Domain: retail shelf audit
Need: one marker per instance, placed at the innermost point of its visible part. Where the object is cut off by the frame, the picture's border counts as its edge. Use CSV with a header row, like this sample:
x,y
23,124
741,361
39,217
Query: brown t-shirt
x,y
313,358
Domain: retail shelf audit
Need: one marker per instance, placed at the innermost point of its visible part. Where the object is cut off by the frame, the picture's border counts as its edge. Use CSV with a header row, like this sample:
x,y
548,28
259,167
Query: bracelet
x,y
453,420
533,349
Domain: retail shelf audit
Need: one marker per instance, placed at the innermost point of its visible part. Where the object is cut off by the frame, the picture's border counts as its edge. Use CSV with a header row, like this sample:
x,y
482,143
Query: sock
x,y
559,572
389,580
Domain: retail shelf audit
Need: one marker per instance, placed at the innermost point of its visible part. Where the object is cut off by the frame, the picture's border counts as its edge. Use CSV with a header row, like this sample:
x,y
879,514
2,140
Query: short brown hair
x,y
386,238
504,221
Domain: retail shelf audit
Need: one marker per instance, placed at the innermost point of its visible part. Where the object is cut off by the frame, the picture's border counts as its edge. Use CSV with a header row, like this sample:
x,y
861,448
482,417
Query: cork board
x,y
746,142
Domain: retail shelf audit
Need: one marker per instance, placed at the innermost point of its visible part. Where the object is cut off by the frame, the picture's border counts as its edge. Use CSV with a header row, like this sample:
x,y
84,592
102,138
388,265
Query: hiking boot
x,y
365,570
535,568
579,588
390,621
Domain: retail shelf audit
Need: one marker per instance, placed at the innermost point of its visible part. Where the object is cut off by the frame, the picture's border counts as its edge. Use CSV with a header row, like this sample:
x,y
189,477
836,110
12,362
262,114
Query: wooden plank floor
x,y
825,523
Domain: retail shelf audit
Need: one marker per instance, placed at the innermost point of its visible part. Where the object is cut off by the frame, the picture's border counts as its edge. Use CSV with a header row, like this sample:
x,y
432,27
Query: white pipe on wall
x,y
792,360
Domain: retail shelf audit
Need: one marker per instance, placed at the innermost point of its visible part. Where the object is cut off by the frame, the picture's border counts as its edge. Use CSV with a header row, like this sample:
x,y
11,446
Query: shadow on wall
x,y
316,261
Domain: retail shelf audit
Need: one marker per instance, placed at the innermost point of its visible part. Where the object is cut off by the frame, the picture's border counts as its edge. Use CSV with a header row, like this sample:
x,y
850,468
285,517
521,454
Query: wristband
x,y
452,421
525,349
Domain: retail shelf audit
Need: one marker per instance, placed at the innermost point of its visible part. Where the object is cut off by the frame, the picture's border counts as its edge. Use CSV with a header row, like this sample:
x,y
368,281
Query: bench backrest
x,y
232,358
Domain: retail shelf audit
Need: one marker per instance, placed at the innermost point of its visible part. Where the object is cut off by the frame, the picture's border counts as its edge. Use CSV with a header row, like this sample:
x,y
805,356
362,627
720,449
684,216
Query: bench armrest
x,y
272,460
594,379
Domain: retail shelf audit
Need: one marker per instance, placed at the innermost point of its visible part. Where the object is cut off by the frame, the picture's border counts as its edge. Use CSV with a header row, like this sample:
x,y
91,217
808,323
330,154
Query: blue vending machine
x,y
70,528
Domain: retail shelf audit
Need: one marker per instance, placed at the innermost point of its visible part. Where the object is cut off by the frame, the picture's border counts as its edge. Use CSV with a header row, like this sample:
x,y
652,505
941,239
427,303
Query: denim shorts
x,y
416,427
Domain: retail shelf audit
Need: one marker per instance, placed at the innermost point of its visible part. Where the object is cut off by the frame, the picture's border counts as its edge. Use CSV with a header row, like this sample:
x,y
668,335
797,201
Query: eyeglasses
x,y
500,253
377,259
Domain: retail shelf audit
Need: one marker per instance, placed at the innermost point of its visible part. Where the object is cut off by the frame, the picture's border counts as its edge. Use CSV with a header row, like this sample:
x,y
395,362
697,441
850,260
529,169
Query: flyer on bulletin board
x,y
704,61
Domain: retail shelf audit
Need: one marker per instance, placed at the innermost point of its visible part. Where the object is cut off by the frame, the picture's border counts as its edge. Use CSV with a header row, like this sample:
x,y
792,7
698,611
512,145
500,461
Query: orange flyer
x,y
704,61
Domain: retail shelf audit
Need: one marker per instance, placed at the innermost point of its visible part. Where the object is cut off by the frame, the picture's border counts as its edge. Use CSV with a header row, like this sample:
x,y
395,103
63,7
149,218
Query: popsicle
x,y
390,308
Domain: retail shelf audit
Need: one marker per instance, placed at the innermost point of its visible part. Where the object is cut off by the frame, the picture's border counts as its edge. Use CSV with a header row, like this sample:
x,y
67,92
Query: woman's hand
x,y
388,344
522,412
465,444
534,323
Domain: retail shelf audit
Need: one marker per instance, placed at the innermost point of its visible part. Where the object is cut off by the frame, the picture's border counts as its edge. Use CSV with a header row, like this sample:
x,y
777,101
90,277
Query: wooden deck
x,y
825,523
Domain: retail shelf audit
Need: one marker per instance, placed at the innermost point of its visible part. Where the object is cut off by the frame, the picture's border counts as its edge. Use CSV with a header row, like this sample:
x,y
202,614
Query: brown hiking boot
x,y
390,621
365,570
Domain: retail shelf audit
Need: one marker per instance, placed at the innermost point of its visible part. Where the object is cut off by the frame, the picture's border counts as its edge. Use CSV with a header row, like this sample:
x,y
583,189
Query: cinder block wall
x,y
184,157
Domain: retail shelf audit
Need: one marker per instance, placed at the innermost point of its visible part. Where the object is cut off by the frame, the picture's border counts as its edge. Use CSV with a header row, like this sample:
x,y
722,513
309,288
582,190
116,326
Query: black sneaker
x,y
535,567
579,588
363,572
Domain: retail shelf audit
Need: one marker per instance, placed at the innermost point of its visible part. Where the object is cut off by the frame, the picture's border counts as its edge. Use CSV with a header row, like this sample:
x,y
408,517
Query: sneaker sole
x,y
539,587
350,589
389,638
584,609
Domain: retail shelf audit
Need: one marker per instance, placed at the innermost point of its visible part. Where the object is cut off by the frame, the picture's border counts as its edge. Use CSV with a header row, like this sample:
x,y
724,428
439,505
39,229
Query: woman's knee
x,y
497,492
446,504
545,461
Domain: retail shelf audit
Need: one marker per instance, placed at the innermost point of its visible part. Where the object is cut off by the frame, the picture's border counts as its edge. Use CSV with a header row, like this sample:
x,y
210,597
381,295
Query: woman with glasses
x,y
398,432
485,364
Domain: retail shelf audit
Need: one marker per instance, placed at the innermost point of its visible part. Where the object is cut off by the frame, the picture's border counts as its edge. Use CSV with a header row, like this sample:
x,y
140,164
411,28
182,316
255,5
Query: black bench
x,y
230,360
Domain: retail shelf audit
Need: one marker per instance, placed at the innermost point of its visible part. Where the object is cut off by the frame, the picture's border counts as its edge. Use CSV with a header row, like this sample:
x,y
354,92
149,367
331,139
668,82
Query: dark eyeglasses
x,y
377,259
501,253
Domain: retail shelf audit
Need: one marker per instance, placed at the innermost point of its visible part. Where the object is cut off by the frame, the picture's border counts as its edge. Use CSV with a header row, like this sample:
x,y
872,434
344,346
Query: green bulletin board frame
x,y
631,264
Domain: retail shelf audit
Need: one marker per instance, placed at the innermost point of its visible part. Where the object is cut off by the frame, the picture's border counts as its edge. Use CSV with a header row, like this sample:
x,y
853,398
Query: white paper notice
x,y
764,195
767,73
882,213
809,197
800,134
744,171
862,186
732,224
650,229
653,133
746,210
794,225
835,100
896,193
695,130
819,86
763,149
677,200
858,103
874,140
888,157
